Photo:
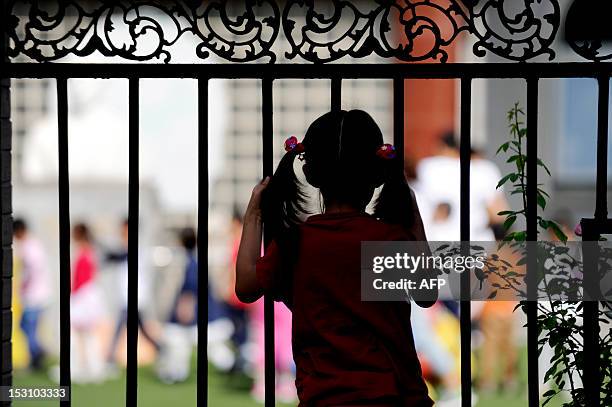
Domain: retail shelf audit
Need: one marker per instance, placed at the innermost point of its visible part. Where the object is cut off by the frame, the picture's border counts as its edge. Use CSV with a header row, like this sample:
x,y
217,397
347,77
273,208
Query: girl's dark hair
x,y
340,160
19,225
82,232
188,238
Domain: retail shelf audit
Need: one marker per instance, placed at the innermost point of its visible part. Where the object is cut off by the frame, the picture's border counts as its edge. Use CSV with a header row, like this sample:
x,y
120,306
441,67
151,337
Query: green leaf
x,y
557,231
503,147
541,201
504,213
504,180
541,164
520,236
509,222
543,193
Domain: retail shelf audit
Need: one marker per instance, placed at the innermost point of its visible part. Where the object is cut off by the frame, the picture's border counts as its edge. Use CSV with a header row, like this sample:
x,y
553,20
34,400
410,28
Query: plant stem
x,y
521,168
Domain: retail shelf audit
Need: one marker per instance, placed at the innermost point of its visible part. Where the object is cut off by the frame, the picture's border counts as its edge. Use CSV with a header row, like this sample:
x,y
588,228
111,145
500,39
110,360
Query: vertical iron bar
x,y
202,390
601,203
268,151
133,213
336,93
398,118
6,234
532,236
465,147
64,232
592,374
591,351
4,10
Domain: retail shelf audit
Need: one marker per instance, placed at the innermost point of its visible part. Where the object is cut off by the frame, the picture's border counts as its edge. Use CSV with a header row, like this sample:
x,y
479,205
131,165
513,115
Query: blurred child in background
x,y
86,310
120,258
180,330
440,364
285,368
236,310
221,329
34,288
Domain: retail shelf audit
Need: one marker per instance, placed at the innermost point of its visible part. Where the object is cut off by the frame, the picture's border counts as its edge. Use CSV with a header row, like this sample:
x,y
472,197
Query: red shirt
x,y
84,269
345,350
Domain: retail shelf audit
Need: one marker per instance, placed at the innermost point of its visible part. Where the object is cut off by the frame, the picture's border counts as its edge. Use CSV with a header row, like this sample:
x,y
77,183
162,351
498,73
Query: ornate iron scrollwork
x,y
319,32
248,37
141,30
515,30
391,30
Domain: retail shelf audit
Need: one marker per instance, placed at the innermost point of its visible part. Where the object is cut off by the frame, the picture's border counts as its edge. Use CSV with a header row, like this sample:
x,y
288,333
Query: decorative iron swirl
x,y
409,31
247,37
319,32
592,50
141,30
515,30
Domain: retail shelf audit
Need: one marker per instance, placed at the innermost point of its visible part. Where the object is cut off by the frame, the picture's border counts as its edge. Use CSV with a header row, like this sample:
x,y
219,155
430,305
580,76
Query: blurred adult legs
x,y
121,324
29,325
498,351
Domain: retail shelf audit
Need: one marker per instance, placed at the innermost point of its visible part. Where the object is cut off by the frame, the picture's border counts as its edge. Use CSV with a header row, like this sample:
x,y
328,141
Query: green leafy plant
x,y
517,179
559,323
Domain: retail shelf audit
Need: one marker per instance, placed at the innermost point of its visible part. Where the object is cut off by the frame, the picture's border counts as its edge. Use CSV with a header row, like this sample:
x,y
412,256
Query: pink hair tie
x,y
292,144
578,229
386,152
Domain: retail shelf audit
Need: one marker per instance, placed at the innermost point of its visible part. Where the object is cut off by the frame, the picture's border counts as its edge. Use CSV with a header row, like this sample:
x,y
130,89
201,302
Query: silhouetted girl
x,y
347,352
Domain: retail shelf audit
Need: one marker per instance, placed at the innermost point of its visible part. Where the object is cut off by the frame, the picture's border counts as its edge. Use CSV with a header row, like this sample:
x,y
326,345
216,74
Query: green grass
x,y
223,391
517,400
111,393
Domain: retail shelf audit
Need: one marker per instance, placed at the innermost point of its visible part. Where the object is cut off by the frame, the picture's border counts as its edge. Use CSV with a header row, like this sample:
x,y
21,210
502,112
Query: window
x,y
577,148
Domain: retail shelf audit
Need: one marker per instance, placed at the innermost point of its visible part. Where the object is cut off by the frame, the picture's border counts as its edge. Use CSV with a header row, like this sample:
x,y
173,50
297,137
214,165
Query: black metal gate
x,y
527,34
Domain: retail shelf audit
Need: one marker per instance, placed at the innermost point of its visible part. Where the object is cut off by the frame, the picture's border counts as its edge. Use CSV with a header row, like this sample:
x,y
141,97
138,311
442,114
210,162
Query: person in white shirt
x,y
437,188
34,289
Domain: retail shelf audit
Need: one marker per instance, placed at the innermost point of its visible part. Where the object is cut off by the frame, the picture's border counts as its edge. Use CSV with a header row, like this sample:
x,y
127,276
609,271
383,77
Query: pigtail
x,y
283,205
395,203
284,201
